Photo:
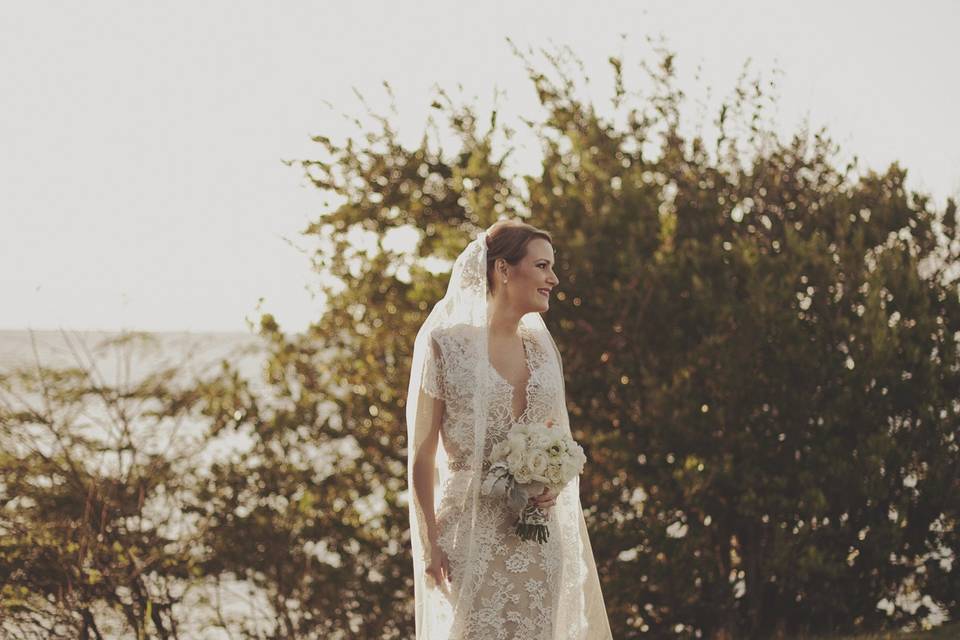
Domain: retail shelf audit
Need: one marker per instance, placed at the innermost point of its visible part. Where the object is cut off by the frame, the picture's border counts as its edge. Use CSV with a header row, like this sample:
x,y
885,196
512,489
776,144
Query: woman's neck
x,y
503,323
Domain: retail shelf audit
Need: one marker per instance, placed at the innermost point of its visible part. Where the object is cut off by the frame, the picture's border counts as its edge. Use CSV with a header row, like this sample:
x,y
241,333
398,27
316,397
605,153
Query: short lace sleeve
x,y
433,382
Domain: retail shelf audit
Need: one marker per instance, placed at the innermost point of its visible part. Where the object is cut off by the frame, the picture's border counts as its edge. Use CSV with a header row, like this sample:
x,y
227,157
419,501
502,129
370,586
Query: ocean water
x,y
190,352
192,356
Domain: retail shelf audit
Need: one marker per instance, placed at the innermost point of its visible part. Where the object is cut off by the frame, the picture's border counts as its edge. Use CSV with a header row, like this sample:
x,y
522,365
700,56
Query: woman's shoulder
x,y
458,334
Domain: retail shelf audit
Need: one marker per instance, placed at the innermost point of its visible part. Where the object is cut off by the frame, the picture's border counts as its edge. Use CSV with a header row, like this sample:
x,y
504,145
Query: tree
x,y
760,352
92,543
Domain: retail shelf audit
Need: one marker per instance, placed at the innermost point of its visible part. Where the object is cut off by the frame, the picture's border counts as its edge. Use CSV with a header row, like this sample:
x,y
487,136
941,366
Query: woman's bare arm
x,y
424,465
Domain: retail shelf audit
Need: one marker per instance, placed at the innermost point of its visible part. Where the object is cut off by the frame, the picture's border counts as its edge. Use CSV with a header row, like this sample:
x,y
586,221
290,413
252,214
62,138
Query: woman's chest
x,y
475,383
506,405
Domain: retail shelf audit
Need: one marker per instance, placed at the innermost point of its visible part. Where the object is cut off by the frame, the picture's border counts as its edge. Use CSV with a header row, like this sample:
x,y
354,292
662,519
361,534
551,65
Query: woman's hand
x,y
439,567
545,500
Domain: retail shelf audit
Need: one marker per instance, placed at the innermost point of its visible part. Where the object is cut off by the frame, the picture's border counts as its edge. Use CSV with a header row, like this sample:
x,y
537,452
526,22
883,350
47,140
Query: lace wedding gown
x,y
518,583
500,587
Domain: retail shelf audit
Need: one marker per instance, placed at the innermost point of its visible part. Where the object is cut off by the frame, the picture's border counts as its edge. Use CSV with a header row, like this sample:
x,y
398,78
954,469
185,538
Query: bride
x,y
483,361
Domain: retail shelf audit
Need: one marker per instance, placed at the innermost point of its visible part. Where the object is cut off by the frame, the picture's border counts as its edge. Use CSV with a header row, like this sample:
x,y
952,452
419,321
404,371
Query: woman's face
x,y
529,281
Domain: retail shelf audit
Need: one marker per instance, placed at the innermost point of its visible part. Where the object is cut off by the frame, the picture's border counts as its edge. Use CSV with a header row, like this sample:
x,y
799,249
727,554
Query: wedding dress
x,y
501,587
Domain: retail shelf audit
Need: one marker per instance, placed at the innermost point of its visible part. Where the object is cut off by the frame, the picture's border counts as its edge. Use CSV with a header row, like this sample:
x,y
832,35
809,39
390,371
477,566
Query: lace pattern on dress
x,y
433,372
518,583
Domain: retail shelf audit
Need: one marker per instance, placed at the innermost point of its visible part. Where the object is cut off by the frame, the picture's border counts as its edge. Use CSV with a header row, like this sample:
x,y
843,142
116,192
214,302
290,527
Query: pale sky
x,y
141,182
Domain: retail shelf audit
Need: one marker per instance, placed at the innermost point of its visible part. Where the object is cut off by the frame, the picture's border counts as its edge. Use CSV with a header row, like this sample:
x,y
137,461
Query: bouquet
x,y
532,456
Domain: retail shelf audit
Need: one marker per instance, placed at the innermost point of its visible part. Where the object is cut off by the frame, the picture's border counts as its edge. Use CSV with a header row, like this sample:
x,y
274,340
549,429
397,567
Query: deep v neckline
x,y
528,362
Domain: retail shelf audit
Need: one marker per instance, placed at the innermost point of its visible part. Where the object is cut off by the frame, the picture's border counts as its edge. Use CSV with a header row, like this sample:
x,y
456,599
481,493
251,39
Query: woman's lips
x,y
545,293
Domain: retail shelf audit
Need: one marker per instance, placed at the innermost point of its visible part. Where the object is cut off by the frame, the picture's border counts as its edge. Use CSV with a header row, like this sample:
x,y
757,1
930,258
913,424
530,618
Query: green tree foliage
x,y
760,350
92,541
761,357
297,516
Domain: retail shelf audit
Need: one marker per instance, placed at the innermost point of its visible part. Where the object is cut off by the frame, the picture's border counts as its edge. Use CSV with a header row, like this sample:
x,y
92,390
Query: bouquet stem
x,y
532,524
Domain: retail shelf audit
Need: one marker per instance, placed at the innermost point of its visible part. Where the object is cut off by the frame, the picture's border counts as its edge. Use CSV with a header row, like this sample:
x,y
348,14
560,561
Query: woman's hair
x,y
508,239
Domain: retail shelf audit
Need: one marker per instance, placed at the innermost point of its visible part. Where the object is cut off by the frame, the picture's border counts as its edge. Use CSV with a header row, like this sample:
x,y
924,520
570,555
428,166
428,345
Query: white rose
x,y
569,469
515,460
553,475
500,450
518,441
522,475
542,440
538,462
580,458
520,430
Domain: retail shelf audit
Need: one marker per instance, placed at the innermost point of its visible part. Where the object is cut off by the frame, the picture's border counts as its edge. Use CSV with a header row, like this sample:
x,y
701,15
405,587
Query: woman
x,y
484,360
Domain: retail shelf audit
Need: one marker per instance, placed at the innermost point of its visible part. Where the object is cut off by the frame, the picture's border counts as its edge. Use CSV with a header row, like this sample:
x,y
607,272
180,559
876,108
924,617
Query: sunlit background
x,y
143,186
141,182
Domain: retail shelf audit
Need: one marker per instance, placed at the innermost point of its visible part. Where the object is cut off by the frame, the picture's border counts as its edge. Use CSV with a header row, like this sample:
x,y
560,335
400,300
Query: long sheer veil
x,y
442,610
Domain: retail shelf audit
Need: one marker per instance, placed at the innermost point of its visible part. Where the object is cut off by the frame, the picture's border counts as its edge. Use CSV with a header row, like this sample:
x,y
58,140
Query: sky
x,y
142,183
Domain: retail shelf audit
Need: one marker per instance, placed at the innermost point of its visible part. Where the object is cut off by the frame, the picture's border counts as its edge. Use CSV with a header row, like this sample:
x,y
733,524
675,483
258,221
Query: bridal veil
x,y
442,609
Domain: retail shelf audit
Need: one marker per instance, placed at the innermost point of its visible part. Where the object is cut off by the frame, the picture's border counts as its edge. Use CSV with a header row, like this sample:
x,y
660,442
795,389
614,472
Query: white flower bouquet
x,y
532,457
